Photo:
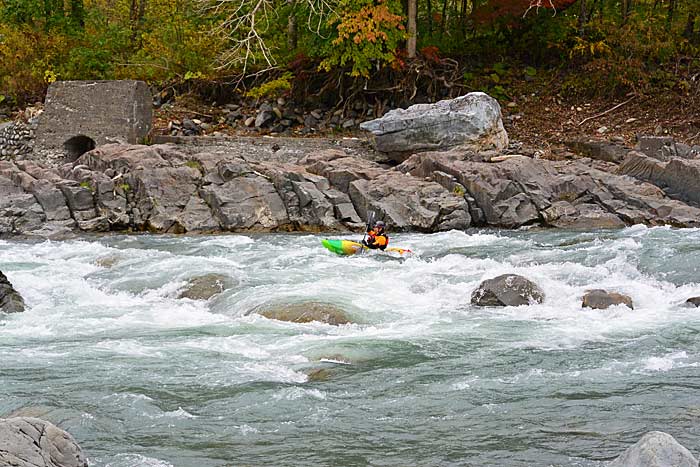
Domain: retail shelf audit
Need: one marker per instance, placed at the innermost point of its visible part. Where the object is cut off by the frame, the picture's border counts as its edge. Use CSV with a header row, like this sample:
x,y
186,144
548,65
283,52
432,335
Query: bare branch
x,y
539,4
247,21
606,112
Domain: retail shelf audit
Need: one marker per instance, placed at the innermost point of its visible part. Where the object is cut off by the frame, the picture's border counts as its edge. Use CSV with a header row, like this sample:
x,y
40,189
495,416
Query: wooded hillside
x,y
402,51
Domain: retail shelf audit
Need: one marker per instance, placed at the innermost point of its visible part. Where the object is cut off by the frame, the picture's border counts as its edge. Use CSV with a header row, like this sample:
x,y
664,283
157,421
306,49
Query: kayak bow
x,y
348,247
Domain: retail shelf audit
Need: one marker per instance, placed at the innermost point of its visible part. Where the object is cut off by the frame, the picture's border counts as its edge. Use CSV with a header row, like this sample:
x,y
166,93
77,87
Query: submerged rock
x,y
31,442
507,290
107,261
693,301
656,449
306,312
600,299
319,375
10,300
205,287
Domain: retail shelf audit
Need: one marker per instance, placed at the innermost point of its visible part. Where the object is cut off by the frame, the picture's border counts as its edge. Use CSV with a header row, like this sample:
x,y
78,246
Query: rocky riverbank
x,y
208,184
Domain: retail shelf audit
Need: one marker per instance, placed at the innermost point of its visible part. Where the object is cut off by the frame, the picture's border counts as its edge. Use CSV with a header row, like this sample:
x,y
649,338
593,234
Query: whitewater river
x,y
142,378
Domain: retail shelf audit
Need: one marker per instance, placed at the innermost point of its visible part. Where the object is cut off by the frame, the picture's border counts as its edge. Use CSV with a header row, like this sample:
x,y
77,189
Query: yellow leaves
x,y
583,48
50,76
367,24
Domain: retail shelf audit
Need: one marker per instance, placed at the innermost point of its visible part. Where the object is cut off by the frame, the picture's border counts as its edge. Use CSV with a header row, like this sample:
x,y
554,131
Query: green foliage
x,y
611,60
493,80
87,185
181,47
193,164
172,40
273,88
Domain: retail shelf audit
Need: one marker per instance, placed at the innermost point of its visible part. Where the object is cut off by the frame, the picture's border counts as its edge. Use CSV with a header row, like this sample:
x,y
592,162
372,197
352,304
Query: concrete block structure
x,y
80,115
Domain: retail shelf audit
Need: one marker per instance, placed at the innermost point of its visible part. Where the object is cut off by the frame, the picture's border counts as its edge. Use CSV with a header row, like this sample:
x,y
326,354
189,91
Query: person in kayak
x,y
377,237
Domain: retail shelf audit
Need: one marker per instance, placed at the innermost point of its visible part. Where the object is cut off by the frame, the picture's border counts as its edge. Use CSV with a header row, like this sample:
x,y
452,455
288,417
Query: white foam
x,y
136,460
422,297
296,393
665,363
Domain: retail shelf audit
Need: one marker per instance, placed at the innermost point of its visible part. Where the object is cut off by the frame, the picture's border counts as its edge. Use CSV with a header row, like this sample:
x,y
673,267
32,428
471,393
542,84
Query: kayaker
x,y
377,237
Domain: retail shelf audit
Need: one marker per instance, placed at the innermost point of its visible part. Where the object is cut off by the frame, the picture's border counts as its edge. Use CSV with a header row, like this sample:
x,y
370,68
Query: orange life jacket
x,y
377,240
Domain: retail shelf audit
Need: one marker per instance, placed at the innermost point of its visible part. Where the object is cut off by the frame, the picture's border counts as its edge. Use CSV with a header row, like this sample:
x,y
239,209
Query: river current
x,y
422,378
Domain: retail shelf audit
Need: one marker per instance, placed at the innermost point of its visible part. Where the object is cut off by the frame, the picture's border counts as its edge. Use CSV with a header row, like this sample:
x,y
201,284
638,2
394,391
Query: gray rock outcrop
x,y
664,148
472,120
31,442
656,449
309,187
507,290
580,194
10,300
677,177
599,299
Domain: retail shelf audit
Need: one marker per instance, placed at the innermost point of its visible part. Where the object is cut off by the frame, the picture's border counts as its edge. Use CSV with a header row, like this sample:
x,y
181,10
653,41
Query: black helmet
x,y
380,224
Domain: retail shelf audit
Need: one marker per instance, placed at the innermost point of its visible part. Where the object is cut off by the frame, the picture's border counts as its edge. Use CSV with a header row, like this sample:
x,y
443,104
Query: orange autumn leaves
x,y
369,35
368,24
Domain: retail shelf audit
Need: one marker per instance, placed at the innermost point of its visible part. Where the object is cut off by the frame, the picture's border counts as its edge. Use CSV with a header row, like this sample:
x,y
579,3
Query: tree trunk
x,y
671,11
142,10
444,17
412,28
136,14
430,17
292,30
689,30
77,13
582,19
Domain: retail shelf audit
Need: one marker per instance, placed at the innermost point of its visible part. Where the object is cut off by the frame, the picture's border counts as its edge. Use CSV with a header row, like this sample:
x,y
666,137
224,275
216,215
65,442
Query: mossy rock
x,y
319,375
306,312
600,299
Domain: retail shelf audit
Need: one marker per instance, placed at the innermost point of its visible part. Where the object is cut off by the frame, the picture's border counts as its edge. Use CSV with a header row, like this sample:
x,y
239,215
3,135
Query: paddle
x,y
370,218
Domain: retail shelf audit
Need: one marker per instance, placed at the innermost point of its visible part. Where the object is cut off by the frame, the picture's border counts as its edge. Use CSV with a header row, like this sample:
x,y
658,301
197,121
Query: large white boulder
x,y
656,449
473,120
31,442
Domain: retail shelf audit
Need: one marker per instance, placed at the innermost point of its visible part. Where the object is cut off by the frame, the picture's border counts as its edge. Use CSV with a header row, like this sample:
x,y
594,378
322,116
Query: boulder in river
x,y
507,290
305,312
656,449
31,442
600,299
693,301
206,286
10,300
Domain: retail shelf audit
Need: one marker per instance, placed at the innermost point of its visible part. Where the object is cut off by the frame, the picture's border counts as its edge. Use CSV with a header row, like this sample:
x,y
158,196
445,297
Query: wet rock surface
x,y
507,290
656,449
10,300
31,442
599,299
306,312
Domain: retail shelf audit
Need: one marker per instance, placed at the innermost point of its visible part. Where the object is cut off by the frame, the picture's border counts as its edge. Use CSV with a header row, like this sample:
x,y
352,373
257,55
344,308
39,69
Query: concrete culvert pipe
x,y
77,146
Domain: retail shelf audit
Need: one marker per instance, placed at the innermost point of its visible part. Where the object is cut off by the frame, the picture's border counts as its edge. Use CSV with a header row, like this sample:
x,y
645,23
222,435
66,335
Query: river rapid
x,y
423,378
